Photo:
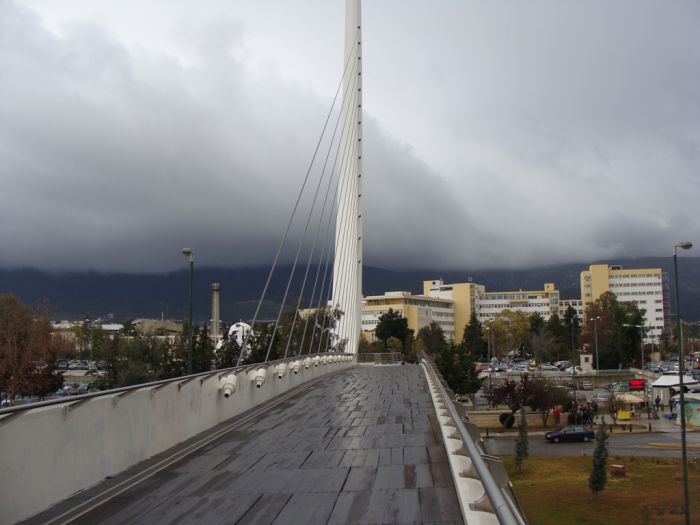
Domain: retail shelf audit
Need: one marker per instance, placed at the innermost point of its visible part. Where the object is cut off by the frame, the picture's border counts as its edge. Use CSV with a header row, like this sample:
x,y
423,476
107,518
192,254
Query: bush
x,y
507,419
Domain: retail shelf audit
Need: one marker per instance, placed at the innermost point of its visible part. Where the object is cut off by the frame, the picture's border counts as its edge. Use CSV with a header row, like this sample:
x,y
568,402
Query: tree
x,y
473,339
27,349
510,332
459,370
599,477
417,347
544,396
539,395
572,324
128,327
433,337
226,355
618,345
392,324
394,344
521,444
363,347
555,332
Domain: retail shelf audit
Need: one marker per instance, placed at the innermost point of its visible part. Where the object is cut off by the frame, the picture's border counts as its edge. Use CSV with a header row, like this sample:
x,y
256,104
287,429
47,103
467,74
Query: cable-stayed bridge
x,y
304,435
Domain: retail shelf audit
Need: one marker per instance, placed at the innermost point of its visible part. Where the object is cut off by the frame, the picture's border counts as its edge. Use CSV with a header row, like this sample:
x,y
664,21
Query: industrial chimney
x,y
215,289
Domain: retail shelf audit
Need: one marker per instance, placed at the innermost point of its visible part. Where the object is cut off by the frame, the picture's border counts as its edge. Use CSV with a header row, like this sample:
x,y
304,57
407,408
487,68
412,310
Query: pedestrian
x,y
557,415
657,401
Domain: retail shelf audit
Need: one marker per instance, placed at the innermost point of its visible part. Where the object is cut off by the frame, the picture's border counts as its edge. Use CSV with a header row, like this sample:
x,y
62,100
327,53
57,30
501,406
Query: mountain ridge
x,y
152,295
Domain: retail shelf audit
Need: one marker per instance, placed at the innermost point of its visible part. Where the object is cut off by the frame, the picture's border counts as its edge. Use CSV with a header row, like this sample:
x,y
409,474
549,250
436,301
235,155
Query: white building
x,y
646,287
543,302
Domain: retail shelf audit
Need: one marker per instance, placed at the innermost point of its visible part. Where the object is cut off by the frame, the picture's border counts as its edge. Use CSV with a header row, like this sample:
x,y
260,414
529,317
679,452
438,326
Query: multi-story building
x,y
463,296
418,310
646,287
577,304
471,297
543,302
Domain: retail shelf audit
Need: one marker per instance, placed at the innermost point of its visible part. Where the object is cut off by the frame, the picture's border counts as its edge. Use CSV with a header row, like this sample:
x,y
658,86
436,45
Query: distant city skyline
x,y
496,135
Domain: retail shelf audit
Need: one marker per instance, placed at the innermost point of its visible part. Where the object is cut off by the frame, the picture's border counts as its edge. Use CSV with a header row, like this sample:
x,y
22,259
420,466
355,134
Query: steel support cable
x,y
323,256
351,269
296,205
343,245
320,220
306,230
348,241
332,219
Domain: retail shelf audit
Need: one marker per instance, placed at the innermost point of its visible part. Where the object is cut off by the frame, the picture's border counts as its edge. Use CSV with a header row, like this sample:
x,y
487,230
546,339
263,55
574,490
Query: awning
x,y
628,398
673,380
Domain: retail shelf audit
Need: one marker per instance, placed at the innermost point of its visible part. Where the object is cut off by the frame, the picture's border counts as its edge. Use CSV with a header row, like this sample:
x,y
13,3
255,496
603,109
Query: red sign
x,y
635,384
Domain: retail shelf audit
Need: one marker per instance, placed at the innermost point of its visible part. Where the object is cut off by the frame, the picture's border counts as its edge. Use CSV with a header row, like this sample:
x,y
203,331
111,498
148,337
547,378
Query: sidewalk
x,y
639,426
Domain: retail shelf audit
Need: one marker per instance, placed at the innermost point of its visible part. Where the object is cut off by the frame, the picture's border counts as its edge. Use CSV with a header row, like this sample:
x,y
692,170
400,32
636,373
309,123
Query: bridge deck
x,y
360,447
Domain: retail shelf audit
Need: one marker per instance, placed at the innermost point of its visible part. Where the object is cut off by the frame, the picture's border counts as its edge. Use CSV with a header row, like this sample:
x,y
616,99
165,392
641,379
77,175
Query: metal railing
x,y
500,493
202,376
384,358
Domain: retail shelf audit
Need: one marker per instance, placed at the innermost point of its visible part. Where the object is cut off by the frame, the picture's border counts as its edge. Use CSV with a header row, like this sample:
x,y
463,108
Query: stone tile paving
x,y
361,447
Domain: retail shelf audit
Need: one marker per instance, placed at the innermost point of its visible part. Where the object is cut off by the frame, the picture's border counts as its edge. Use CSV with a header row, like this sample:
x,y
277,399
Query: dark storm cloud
x,y
116,162
495,134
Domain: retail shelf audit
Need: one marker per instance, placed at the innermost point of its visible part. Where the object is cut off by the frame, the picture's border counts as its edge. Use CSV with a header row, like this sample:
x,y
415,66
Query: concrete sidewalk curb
x,y
672,446
542,433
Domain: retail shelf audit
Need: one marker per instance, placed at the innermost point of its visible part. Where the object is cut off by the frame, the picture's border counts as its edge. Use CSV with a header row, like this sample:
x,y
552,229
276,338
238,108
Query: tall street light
x,y
641,365
488,346
187,252
573,354
595,320
685,245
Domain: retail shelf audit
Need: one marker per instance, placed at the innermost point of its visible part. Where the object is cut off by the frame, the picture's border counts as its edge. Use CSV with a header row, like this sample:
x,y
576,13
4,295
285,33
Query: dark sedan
x,y
570,433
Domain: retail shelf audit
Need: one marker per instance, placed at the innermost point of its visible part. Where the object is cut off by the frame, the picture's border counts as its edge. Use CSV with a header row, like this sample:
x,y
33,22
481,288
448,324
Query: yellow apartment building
x,y
464,298
418,310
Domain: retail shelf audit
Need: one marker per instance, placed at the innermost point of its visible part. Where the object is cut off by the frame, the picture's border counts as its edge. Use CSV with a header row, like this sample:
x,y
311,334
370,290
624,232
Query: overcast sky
x,y
497,134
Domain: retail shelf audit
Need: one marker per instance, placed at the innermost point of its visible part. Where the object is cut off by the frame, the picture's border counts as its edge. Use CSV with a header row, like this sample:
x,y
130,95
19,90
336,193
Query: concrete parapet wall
x,y
48,453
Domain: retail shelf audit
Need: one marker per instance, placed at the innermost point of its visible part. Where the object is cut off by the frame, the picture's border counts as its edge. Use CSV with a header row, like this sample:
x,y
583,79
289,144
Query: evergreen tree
x,y
392,324
521,444
599,476
459,370
203,350
473,339
433,337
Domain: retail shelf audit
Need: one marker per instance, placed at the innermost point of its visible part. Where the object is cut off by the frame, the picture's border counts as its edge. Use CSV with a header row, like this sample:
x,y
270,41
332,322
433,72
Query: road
x,y
637,444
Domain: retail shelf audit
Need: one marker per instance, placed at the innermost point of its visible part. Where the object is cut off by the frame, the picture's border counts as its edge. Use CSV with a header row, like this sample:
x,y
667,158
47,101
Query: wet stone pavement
x,y
360,447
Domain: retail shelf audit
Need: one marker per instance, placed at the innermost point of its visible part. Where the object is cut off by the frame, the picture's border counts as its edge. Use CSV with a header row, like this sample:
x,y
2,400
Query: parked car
x,y
548,367
570,433
570,370
563,365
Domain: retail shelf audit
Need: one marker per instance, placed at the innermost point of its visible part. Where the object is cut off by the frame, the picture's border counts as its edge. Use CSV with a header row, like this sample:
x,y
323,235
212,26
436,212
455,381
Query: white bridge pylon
x,y
347,265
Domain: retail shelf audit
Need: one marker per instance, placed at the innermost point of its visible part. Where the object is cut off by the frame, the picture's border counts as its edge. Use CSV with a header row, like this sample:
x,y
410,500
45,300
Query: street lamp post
x,y
488,346
641,364
187,252
573,353
595,332
685,245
